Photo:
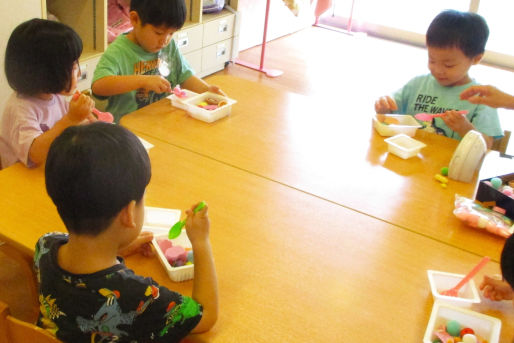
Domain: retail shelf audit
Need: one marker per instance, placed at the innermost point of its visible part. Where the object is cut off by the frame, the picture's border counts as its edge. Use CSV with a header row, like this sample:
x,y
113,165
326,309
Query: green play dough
x,y
453,328
496,182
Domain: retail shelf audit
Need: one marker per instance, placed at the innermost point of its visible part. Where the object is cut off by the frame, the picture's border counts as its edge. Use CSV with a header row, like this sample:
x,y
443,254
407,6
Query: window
x,y
407,20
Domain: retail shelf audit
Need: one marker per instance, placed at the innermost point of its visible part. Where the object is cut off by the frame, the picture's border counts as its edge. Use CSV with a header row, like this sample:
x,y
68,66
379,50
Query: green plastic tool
x,y
176,229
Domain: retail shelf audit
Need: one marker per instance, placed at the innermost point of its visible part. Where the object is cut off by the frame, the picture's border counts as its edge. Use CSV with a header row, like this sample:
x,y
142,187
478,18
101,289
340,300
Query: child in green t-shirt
x,y
143,65
455,41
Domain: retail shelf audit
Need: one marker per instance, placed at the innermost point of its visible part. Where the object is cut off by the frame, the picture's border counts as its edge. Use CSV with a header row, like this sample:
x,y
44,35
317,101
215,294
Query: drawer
x,y
216,54
87,68
189,39
219,29
195,60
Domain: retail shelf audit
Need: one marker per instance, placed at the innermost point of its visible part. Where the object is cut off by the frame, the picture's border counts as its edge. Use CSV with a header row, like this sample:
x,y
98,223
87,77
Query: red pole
x,y
349,26
269,72
263,48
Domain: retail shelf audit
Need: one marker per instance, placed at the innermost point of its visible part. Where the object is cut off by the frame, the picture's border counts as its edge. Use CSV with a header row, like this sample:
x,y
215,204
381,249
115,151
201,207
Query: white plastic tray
x,y
407,125
404,146
176,274
179,102
159,220
206,115
440,281
485,326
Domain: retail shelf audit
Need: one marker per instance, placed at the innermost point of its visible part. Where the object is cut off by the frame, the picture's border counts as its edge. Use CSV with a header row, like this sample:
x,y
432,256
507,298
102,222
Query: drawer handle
x,y
223,26
183,41
221,50
83,72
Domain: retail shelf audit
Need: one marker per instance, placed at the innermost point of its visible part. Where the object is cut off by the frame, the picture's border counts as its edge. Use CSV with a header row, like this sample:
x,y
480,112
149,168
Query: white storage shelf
x,y
207,41
209,45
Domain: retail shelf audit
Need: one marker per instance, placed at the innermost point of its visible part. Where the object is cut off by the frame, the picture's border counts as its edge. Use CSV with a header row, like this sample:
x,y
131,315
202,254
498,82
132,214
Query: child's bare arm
x,y
205,285
460,124
119,84
79,110
198,85
385,104
496,289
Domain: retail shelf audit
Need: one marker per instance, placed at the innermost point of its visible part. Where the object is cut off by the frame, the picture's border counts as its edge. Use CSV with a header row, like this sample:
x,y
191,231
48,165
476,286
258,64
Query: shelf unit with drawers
x,y
207,41
209,45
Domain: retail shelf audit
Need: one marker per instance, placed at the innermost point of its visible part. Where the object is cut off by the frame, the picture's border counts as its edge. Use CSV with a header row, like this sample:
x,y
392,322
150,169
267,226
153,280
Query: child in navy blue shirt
x,y
97,175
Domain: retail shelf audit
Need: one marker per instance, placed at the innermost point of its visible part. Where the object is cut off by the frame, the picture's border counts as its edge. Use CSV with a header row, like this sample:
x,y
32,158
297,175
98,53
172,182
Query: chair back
x,y
13,330
501,144
18,283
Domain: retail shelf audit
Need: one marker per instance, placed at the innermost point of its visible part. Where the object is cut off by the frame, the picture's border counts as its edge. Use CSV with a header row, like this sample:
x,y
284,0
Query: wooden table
x,y
292,267
331,152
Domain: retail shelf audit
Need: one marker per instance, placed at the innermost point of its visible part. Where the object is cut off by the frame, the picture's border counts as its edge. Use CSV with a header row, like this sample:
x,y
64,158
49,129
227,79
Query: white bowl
x,y
404,146
407,125
440,281
485,326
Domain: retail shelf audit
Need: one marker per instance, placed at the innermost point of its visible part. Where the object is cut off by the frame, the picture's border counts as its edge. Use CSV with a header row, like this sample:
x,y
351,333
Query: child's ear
x,y
127,215
477,58
134,18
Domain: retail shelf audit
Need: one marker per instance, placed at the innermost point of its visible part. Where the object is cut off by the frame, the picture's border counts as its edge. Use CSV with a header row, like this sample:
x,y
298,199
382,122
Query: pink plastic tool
x,y
429,116
444,336
102,116
179,92
453,292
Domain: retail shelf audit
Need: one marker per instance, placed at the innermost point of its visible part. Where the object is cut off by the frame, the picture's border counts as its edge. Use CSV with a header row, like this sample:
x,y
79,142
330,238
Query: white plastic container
x,y
485,326
159,220
407,125
208,115
404,146
179,102
177,274
441,281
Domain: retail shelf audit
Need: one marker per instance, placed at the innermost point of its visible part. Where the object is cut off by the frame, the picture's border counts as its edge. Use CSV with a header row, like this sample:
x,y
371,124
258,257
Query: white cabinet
x,y
189,39
215,56
209,45
218,28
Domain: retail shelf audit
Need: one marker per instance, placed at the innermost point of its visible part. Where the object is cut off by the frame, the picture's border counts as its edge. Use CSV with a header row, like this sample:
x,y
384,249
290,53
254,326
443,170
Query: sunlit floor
x,y
351,69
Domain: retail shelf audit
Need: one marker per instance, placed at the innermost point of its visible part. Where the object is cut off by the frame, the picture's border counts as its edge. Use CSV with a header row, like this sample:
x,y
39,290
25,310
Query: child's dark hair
x,y
507,261
40,56
170,13
92,172
463,30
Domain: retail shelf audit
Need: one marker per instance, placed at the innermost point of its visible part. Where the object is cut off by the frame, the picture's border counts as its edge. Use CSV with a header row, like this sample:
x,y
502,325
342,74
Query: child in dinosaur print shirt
x,y
97,176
